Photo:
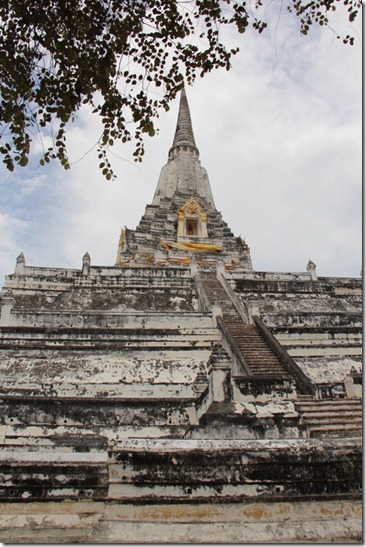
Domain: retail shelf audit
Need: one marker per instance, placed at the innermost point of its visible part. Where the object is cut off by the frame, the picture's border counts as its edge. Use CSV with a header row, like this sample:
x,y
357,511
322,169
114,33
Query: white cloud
x,y
12,231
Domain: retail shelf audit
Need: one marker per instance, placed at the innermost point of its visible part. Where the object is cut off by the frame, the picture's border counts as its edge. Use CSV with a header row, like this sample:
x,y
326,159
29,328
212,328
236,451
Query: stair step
x,y
326,407
266,368
270,366
324,402
257,355
327,430
335,427
336,420
263,360
257,351
272,373
332,414
338,434
331,418
269,376
330,401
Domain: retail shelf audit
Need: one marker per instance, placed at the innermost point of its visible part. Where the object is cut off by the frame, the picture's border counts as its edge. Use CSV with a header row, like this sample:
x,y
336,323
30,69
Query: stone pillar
x,y
204,225
180,223
193,265
19,268
220,268
252,307
216,311
311,268
219,369
7,304
353,384
86,264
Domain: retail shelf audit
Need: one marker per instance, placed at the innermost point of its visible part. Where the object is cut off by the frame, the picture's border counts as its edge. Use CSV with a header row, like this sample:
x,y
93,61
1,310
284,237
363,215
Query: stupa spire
x,y
184,132
183,174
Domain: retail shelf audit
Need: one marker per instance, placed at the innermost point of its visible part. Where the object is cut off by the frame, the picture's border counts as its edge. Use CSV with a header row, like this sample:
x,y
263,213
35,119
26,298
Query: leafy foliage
x,y
125,58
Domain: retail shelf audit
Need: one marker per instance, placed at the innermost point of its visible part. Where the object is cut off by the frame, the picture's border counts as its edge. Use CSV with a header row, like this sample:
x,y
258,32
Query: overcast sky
x,y
280,137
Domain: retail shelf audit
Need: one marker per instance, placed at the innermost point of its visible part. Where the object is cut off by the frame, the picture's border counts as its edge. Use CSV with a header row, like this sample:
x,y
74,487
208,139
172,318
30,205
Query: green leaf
x,y
23,161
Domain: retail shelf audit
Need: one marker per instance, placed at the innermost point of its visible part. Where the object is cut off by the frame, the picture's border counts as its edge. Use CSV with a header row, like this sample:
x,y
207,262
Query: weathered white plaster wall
x,y
101,522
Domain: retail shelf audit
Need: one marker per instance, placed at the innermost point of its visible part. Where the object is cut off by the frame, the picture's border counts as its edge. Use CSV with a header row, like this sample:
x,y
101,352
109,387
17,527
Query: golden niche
x,y
192,220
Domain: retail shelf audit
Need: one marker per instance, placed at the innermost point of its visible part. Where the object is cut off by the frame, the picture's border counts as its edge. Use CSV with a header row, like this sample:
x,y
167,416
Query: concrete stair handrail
x,y
238,304
233,346
201,293
302,381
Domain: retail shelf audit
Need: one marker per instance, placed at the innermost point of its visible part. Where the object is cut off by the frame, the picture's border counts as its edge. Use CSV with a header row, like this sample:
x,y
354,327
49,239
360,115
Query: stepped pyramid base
x,y
327,418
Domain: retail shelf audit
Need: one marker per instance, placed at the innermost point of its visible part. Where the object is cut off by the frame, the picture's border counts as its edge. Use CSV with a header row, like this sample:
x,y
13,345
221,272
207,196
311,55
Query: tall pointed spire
x,y
184,131
183,173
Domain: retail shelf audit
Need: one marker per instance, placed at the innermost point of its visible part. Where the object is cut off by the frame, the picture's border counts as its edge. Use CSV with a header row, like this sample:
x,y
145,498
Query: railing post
x,y
193,266
216,312
253,308
311,268
7,304
220,268
86,264
219,368
20,265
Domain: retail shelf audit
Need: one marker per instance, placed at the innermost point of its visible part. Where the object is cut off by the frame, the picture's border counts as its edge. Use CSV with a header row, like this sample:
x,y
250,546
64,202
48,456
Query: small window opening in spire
x,y
192,227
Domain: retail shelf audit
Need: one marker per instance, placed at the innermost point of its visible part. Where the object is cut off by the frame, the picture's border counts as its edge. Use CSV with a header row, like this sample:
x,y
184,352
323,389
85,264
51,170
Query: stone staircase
x,y
259,357
330,417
